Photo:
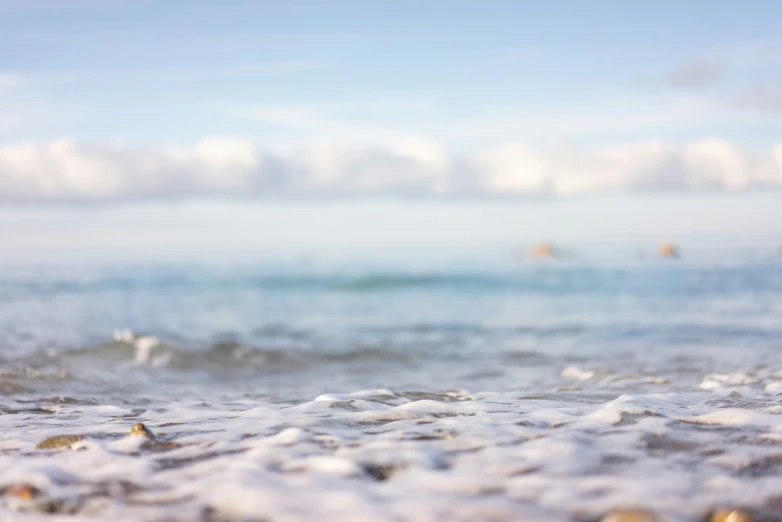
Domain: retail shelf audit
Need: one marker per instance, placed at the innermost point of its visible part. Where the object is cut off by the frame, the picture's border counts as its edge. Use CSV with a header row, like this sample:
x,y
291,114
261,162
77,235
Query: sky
x,y
304,124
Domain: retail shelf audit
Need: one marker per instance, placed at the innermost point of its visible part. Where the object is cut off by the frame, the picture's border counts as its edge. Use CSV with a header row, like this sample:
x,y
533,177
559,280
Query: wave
x,y
551,280
219,356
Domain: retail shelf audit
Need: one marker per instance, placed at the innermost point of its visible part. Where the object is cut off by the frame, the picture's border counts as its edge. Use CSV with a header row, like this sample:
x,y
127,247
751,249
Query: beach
x,y
537,391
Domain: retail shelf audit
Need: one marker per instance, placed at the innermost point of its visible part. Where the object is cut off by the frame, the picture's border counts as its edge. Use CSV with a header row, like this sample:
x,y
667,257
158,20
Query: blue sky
x,y
460,73
137,103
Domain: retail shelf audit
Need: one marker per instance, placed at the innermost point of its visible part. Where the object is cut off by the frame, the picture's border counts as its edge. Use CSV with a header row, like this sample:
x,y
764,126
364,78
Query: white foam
x,y
577,374
381,455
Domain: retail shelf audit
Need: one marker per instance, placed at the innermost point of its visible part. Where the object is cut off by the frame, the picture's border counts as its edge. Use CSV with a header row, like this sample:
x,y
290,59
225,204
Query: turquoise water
x,y
296,331
681,354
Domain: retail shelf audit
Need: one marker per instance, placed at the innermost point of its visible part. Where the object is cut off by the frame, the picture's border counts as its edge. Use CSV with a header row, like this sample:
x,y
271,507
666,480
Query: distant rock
x,y
669,251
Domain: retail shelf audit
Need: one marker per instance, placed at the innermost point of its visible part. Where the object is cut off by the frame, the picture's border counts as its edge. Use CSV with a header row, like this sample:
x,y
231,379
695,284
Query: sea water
x,y
553,391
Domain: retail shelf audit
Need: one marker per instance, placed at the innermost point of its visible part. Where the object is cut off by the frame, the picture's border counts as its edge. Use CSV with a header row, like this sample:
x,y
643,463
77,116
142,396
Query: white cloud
x,y
67,171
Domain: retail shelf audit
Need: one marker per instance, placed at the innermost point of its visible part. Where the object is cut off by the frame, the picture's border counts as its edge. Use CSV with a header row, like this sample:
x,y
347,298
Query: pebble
x,y
60,441
730,515
630,515
140,430
22,491
64,441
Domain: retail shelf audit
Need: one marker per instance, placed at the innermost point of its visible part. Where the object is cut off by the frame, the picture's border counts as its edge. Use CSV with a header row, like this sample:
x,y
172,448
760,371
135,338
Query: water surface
x,y
553,391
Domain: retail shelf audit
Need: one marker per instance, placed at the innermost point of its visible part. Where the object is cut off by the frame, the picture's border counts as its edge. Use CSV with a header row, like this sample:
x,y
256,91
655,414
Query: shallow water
x,y
553,391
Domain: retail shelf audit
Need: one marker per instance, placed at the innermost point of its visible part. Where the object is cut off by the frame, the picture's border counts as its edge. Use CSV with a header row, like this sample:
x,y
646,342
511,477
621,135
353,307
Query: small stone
x,y
23,491
730,515
630,515
379,471
140,430
59,442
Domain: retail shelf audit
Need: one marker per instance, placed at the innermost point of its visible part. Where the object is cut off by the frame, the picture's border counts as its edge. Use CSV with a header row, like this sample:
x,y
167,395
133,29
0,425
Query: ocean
x,y
545,391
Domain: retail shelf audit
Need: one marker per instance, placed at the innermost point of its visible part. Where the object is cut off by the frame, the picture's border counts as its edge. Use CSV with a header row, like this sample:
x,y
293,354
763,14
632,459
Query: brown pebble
x,y
731,515
58,442
630,515
23,491
141,430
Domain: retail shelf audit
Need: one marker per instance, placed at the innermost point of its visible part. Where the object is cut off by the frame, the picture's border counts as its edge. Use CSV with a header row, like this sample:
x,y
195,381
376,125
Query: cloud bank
x,y
65,171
